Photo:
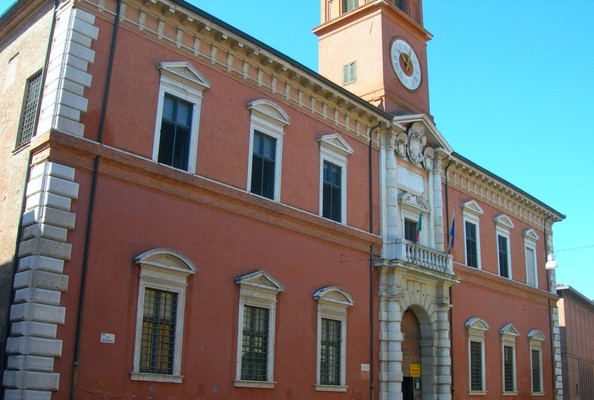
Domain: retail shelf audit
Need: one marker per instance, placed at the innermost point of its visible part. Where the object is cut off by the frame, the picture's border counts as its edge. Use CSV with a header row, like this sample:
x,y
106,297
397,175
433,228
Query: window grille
x,y
254,363
158,331
330,357
508,366
536,370
476,366
29,111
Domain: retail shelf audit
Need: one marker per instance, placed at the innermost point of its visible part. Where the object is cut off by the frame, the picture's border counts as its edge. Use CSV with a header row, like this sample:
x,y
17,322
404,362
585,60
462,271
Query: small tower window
x,y
349,73
348,5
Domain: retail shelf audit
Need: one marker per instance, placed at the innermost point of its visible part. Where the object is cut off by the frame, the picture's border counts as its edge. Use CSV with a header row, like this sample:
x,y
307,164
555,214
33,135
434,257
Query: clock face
x,y
406,64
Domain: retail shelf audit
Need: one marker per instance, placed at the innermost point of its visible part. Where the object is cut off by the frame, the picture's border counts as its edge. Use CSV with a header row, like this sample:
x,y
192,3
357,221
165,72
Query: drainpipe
x,y
15,258
85,262
371,319
451,316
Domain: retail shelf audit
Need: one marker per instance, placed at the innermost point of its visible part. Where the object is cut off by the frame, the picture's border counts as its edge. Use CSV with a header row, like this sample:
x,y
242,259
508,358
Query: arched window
x,y
333,303
160,315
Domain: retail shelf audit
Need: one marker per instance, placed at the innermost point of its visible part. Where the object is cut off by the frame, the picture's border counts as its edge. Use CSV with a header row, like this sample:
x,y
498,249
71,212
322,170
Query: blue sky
x,y
512,88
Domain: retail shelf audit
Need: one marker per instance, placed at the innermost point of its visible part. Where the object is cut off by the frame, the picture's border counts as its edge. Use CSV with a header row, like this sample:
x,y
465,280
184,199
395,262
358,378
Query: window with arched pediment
x,y
508,355
476,355
333,303
256,324
160,315
536,339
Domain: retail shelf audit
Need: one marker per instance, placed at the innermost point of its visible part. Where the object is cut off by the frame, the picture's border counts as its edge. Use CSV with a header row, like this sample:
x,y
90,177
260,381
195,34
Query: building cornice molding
x,y
205,39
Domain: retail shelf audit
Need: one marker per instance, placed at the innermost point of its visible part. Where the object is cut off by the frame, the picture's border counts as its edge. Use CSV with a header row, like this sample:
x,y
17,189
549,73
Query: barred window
x,y
508,369
333,303
536,372
330,357
256,322
254,362
158,331
476,366
29,110
160,315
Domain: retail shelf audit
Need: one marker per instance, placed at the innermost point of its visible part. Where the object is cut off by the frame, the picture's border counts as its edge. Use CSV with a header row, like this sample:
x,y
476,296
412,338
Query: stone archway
x,y
416,308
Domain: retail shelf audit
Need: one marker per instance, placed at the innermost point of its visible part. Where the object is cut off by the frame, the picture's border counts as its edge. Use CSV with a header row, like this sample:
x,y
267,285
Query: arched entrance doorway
x,y
411,352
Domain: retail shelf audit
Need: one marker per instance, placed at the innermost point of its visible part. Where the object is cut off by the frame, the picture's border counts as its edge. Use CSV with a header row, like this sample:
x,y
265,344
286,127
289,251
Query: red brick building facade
x,y
190,214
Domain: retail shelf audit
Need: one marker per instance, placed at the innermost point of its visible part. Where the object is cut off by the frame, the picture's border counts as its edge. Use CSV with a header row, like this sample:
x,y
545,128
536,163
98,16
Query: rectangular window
x,y
508,369
29,109
410,229
471,244
254,361
263,165
332,192
330,349
536,372
348,5
158,332
476,366
503,256
530,267
176,125
349,73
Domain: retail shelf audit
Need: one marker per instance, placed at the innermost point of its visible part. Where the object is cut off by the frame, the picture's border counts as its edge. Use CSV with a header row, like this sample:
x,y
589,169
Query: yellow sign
x,y
415,370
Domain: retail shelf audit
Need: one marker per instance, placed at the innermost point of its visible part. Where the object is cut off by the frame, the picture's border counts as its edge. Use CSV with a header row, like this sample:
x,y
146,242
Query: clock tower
x,y
377,49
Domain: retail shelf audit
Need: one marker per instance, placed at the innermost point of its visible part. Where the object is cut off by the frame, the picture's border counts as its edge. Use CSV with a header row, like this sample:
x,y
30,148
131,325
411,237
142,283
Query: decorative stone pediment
x,y
477,323
185,71
509,330
415,203
504,221
333,294
536,335
166,259
260,280
413,145
270,111
530,234
472,207
336,143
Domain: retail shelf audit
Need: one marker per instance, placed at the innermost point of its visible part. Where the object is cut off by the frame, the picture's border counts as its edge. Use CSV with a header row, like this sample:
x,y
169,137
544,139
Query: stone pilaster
x,y
393,213
444,360
390,336
39,282
437,205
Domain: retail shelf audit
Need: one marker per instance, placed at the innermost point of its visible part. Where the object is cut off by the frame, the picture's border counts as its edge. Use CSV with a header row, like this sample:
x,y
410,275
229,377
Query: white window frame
x,y
530,238
181,80
334,149
257,289
167,270
411,206
476,333
503,227
270,119
349,72
471,212
508,339
333,303
536,339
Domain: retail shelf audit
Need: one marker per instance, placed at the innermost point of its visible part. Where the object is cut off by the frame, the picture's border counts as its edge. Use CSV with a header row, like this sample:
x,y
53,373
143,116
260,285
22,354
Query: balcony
x,y
424,257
